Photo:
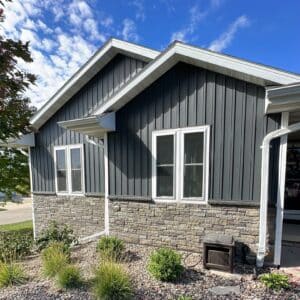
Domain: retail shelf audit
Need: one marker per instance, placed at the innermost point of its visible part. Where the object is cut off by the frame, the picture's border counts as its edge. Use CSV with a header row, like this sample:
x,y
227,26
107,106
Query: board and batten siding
x,y
109,80
190,96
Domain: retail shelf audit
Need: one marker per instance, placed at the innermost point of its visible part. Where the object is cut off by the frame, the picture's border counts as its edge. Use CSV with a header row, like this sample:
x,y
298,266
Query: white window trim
x,y
67,149
178,164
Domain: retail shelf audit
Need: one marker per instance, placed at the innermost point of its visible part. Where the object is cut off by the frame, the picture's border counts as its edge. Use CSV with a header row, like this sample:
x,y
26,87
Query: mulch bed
x,y
196,282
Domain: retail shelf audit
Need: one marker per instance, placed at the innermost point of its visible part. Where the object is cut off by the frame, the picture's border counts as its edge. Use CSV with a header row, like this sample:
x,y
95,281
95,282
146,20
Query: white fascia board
x,y
86,72
283,99
91,126
24,141
282,91
237,68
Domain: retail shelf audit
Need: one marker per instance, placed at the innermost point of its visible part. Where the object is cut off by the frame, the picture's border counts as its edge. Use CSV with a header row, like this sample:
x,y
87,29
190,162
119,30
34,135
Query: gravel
x,y
196,282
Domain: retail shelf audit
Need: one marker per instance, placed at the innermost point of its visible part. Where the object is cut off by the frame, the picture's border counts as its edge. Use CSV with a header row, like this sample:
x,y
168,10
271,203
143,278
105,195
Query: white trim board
x,y
227,65
86,72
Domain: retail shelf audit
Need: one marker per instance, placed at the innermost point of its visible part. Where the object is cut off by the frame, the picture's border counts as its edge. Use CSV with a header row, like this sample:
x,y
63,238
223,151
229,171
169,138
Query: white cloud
x,y
106,22
55,56
129,31
140,9
226,37
195,16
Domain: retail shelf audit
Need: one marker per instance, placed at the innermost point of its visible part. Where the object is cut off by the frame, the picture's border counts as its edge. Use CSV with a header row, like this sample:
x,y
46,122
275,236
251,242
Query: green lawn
x,y
17,226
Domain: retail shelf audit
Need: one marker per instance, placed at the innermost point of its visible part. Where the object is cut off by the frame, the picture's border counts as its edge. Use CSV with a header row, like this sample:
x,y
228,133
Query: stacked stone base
x,y
183,226
85,215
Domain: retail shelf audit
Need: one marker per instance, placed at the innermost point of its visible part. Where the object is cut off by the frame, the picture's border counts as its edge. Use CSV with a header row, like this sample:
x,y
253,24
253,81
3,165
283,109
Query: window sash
x,y
180,165
155,166
69,170
183,172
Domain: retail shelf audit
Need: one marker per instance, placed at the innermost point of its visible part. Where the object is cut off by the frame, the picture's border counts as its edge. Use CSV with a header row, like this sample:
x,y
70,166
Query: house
x,y
163,148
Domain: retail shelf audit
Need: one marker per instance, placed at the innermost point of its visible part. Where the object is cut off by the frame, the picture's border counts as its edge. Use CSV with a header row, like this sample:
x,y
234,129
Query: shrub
x,y
275,281
112,282
11,274
54,259
16,241
111,248
184,298
69,277
165,264
56,233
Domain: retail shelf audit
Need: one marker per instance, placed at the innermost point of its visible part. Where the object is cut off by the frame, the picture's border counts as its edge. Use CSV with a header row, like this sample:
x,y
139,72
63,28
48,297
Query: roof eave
x,y
237,68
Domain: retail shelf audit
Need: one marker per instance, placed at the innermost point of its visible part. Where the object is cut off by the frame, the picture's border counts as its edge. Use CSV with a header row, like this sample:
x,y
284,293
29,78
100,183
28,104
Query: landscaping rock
x,y
196,282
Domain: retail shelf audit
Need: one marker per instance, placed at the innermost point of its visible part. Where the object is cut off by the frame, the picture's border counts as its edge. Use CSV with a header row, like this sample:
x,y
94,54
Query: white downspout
x,y
106,185
106,213
265,187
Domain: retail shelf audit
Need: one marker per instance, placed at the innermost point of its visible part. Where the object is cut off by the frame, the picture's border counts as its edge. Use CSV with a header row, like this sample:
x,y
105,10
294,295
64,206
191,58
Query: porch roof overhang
x,y
24,141
94,126
283,99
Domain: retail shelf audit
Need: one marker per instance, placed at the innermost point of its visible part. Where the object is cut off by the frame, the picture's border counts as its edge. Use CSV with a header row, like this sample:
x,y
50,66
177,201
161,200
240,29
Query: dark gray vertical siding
x,y
189,96
94,93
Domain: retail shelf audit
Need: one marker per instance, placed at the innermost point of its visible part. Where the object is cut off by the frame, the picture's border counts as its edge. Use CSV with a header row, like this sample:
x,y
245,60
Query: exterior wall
x,y
85,215
110,79
190,96
183,226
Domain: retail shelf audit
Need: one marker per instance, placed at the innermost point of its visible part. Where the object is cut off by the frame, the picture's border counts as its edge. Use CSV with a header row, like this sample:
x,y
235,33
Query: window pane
x,y
193,147
193,176
75,158
76,181
165,149
164,183
61,181
61,159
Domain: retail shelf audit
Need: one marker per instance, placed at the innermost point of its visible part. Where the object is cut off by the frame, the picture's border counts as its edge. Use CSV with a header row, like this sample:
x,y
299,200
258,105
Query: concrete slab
x,y
225,290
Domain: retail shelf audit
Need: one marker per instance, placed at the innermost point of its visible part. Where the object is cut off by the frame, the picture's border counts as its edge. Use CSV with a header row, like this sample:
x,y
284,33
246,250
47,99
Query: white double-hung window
x,y
69,169
180,164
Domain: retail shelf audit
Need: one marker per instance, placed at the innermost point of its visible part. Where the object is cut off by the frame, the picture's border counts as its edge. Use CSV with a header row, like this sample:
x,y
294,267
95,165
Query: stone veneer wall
x,y
183,226
85,215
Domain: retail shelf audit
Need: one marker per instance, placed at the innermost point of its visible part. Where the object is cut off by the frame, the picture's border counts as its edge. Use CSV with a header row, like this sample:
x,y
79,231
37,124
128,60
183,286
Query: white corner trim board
x,y
265,187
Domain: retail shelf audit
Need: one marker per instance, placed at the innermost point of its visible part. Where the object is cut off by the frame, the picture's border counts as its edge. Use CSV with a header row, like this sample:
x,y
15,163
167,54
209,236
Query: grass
x,y
11,274
17,226
112,282
54,259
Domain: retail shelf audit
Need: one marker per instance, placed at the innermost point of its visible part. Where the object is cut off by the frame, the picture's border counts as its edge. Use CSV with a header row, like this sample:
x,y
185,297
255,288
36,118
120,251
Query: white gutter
x,y
265,188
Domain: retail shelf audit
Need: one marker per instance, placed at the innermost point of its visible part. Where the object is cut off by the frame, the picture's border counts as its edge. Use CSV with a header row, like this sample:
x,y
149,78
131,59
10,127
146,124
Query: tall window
x,y
180,164
69,177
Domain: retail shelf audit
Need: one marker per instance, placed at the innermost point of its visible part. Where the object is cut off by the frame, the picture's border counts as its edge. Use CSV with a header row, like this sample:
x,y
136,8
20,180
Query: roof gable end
x,y
99,60
179,52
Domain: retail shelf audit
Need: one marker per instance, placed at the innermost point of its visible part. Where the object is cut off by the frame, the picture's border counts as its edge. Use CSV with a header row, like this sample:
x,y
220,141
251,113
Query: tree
x,y
15,110
14,173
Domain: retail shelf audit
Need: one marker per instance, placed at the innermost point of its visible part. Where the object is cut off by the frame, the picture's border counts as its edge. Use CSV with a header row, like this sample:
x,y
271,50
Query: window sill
x,y
174,201
71,194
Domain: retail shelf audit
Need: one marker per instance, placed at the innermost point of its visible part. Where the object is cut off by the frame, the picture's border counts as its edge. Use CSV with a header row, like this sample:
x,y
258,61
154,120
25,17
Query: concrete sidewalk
x,y
15,213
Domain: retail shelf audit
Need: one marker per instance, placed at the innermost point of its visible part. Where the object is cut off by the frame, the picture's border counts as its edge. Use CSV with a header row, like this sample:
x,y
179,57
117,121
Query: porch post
x,y
281,188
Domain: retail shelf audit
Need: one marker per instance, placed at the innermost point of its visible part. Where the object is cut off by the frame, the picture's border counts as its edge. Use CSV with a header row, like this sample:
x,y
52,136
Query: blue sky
x,y
64,34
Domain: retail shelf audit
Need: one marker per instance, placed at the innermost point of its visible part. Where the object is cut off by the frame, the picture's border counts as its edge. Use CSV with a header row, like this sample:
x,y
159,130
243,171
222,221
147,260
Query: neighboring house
x,y
164,148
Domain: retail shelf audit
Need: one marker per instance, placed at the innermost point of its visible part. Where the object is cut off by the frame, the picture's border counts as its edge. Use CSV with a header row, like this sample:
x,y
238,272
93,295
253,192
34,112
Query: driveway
x,y
14,213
